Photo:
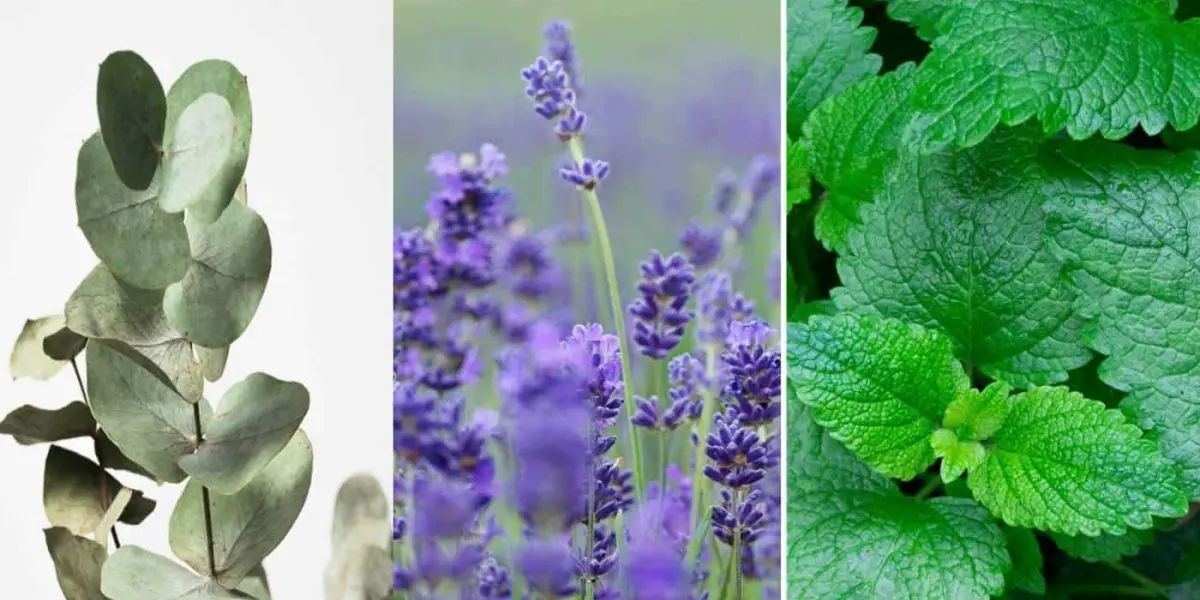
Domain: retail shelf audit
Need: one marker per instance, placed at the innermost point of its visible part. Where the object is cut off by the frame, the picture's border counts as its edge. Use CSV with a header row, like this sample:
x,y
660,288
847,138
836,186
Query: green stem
x,y
931,485
600,231
208,526
1149,585
701,482
737,549
95,435
1107,591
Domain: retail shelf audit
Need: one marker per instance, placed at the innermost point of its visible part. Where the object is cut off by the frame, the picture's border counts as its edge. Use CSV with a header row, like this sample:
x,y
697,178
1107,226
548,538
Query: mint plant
x,y
184,262
993,304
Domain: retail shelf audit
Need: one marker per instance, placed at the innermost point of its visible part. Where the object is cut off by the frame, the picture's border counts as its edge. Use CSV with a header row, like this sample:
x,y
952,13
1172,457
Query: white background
x,y
320,174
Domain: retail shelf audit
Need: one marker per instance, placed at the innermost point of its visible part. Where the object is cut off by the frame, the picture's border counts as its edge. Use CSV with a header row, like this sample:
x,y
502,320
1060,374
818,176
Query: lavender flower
x,y
550,451
660,313
702,246
739,456
549,568
586,174
754,373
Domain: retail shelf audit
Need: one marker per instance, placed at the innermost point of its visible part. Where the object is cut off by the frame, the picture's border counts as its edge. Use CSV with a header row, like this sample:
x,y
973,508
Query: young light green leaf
x,y
28,358
133,114
879,386
30,425
212,361
1103,548
139,243
884,541
267,507
143,415
976,415
77,493
63,344
827,50
78,563
223,79
133,573
1026,574
199,149
1081,66
1105,476
1125,219
103,308
254,421
797,175
958,455
957,242
231,261
854,139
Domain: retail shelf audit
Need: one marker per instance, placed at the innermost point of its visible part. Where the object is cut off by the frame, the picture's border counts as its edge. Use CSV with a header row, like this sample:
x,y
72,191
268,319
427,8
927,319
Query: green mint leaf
x,y
976,415
888,545
1103,548
1026,574
1077,65
957,241
1067,464
879,386
925,15
826,51
798,182
958,456
853,140
1125,220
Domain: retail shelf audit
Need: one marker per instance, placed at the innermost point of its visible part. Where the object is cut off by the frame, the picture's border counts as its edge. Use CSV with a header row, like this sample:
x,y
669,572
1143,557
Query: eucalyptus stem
x,y
95,434
600,231
208,527
1155,588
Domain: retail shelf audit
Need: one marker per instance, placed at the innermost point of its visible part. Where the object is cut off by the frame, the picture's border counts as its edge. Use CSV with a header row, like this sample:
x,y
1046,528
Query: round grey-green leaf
x,y
133,116
78,563
142,245
30,425
221,78
136,405
199,146
254,421
133,573
247,525
212,361
29,359
76,492
231,261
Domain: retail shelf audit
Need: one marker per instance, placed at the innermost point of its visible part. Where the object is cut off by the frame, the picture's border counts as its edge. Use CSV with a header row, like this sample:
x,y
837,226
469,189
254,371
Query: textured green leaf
x,y
223,79
133,114
200,147
879,386
925,15
826,51
852,534
140,244
976,415
76,493
1103,548
1125,220
78,562
1026,556
28,358
32,425
248,525
1104,476
231,261
254,421
1077,65
957,241
797,175
63,344
958,455
143,415
854,139
102,308
133,573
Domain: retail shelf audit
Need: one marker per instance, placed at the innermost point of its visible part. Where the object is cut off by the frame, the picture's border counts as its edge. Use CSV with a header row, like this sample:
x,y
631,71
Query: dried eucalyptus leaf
x,y
111,457
30,425
63,344
360,567
78,563
133,114
221,78
142,245
112,515
133,573
254,421
231,261
104,308
144,416
200,147
256,586
28,359
76,493
212,361
248,525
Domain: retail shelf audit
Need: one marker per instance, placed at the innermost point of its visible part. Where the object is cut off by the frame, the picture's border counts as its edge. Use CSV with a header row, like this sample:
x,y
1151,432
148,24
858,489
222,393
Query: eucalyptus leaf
x,y
256,586
212,361
231,261
28,359
133,573
359,568
111,457
140,244
104,308
199,146
76,493
63,344
223,79
30,425
133,115
248,525
143,414
254,421
112,515
78,563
